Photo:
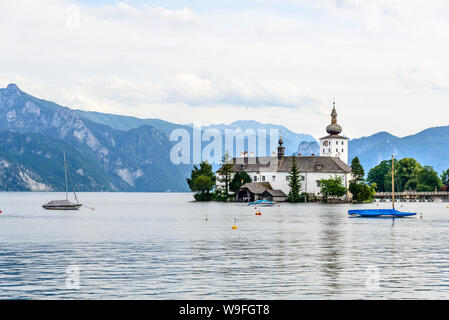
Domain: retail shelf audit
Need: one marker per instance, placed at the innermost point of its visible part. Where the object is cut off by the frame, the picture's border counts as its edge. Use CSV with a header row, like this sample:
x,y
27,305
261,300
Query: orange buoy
x,y
234,227
258,213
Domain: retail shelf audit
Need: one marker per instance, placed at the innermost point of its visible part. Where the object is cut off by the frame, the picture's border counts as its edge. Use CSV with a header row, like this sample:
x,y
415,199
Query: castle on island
x,y
270,175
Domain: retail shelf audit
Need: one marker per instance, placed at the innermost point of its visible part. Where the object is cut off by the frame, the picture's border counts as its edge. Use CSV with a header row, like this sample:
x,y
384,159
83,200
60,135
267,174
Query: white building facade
x,y
333,161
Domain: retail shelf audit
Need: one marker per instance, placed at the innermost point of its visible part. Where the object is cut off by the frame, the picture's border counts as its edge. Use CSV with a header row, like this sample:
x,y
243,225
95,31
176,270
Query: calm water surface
x,y
159,246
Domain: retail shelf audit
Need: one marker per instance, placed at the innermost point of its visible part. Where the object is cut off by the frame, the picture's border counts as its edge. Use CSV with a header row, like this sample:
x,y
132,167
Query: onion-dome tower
x,y
281,149
334,127
334,145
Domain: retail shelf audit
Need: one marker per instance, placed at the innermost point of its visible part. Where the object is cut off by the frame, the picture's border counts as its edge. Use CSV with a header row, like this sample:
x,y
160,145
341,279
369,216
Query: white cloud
x,y
124,11
379,59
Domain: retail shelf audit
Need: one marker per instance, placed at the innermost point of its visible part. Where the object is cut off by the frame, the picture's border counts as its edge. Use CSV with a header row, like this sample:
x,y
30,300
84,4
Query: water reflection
x,y
332,244
159,246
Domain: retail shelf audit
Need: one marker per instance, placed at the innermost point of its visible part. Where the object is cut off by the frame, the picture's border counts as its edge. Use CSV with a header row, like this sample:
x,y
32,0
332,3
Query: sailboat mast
x,y
392,179
71,182
65,173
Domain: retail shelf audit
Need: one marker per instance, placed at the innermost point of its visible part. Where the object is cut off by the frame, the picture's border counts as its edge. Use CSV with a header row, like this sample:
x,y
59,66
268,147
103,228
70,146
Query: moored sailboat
x,y
393,213
64,204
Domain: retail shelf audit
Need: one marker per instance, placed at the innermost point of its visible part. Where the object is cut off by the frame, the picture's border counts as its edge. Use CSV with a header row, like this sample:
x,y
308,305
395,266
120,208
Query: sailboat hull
x,y
61,205
380,213
72,207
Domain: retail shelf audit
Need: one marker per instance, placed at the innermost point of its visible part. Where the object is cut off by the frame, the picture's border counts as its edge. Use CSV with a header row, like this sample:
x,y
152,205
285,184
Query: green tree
x,y
381,175
240,178
407,174
332,187
361,192
445,177
357,170
203,185
202,181
294,183
225,172
428,179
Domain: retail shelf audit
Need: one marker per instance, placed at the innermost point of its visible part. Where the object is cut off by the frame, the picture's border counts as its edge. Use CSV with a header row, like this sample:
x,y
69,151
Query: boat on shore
x,y
64,204
387,213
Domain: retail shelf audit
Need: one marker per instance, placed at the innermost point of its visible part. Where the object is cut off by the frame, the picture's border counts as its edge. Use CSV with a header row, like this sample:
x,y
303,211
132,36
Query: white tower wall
x,y
334,147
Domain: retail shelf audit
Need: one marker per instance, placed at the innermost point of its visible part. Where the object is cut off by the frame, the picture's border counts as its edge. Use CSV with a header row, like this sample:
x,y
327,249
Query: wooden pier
x,y
414,196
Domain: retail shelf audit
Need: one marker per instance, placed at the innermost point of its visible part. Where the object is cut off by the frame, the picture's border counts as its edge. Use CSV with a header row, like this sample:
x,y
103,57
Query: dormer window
x,y
318,167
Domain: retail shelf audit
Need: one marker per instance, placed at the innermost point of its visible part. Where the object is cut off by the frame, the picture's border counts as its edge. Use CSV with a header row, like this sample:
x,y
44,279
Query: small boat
x,y
261,203
64,204
387,213
380,212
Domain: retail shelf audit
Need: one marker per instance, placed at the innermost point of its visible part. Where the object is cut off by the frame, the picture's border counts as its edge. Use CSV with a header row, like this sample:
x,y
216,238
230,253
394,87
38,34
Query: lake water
x,y
159,246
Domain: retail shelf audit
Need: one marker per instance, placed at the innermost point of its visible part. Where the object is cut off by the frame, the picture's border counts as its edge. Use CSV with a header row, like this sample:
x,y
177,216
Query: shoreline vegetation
x,y
411,175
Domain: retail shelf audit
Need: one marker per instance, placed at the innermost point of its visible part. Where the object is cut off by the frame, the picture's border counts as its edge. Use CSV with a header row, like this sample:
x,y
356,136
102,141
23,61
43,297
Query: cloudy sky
x,y
274,61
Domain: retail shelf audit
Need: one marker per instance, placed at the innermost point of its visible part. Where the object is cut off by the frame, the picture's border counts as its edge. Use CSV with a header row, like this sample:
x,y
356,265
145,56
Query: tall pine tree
x,y
294,183
357,170
225,172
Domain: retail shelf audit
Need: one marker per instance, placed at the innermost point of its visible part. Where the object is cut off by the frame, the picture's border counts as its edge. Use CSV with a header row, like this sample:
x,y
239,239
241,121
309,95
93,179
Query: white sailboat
x,y
64,204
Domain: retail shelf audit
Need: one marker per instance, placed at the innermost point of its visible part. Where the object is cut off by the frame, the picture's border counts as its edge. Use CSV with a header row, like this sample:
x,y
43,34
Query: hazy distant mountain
x,y
429,147
308,148
134,160
126,123
291,139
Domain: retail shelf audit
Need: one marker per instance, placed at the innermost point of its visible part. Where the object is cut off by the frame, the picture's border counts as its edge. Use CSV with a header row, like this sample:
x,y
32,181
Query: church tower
x,y
281,149
334,145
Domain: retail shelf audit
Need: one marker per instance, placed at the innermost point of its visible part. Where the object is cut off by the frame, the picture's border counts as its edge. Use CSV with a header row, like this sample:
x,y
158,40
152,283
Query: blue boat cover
x,y
380,212
261,202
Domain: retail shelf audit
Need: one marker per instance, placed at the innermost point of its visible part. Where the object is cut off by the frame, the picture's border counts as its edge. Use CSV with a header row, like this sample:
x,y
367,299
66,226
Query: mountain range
x,y
109,152
428,147
34,133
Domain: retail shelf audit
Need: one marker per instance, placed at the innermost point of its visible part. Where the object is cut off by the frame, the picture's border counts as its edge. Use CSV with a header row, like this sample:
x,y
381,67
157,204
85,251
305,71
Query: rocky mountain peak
x,y
12,88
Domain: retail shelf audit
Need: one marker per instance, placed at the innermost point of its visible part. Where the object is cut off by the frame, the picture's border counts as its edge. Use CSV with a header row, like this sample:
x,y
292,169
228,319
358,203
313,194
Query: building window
x,y
263,178
287,178
274,178
342,150
336,142
318,167
318,183
255,178
342,142
324,151
301,178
